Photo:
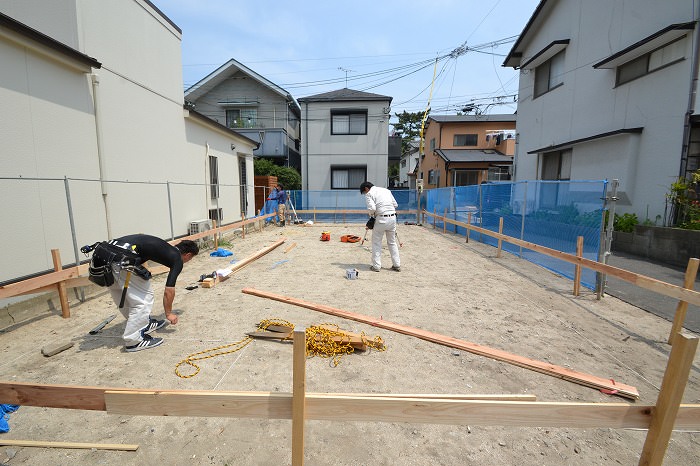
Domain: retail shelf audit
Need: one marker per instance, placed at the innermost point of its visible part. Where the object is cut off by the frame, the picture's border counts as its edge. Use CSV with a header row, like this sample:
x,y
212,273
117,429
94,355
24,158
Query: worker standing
x,y
381,206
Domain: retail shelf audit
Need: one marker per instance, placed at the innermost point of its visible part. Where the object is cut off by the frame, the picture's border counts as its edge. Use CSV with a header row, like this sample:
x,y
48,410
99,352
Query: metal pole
x,y
72,231
71,220
170,211
608,234
601,246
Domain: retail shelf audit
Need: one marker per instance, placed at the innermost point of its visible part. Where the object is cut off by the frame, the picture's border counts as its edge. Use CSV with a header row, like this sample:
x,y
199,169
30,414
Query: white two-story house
x,y
608,91
345,139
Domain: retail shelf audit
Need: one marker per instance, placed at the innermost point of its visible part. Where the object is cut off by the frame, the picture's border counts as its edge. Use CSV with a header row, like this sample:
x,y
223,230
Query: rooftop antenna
x,y
346,71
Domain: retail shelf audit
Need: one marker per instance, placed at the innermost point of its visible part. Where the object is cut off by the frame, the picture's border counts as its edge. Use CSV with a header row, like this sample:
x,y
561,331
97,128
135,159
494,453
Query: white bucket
x,y
351,274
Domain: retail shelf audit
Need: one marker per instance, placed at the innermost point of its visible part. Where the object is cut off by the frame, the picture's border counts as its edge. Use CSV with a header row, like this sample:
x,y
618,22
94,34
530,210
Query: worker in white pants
x,y
385,225
137,304
382,206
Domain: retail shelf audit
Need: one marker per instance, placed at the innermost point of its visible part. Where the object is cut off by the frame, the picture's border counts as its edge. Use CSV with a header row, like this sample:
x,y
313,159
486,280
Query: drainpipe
x,y
305,166
100,149
691,101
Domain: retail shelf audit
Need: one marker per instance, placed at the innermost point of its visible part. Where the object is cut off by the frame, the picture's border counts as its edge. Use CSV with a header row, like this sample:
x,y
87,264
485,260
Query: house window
x,y
434,177
403,163
499,173
556,165
549,74
348,122
466,177
652,61
214,177
242,118
465,140
348,177
432,144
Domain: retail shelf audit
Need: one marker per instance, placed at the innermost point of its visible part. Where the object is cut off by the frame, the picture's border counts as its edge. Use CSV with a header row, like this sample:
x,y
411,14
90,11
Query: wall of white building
x,y
321,150
589,103
130,127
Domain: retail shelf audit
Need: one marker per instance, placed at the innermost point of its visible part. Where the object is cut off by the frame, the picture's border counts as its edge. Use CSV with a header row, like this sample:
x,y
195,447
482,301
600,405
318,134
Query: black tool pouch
x,y
106,254
370,223
100,272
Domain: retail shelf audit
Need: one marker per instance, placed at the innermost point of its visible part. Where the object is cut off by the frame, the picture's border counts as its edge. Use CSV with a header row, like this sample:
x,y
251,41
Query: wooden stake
x,y
500,240
543,367
298,397
682,308
291,246
577,270
60,286
41,444
469,224
667,404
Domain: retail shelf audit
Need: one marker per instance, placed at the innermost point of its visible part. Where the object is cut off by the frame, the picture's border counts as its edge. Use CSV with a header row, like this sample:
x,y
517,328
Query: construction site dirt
x,y
446,285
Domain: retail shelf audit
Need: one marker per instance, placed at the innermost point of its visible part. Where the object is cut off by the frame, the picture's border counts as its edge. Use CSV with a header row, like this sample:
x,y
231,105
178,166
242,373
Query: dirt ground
x,y
445,286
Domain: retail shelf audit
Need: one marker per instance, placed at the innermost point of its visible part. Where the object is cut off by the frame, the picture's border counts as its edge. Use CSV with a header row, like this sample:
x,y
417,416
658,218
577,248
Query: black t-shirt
x,y
152,248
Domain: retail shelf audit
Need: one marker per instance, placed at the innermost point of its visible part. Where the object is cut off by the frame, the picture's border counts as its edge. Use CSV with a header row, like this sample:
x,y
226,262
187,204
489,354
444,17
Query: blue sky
x,y
386,47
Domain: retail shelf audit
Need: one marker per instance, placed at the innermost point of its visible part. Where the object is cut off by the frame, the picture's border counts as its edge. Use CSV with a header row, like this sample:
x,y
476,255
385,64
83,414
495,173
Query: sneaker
x,y
395,268
375,269
153,325
147,342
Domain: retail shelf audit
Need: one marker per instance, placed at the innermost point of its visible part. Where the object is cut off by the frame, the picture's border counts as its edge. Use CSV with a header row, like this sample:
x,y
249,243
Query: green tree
x,y
408,127
286,176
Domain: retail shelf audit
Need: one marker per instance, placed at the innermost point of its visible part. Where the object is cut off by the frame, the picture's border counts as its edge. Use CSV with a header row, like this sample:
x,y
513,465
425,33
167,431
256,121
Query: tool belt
x,y
350,239
370,223
325,236
106,254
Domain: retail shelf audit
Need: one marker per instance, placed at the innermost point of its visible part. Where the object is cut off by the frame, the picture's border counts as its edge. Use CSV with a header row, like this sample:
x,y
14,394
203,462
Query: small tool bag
x,y
370,223
107,253
325,236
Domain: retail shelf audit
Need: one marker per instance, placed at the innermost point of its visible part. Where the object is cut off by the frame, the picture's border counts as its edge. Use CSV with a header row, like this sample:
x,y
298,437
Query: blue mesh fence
x,y
548,213
339,200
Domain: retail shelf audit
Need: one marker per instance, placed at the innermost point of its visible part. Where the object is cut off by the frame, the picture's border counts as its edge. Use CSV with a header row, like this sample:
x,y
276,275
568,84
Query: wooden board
x,y
543,367
356,343
389,409
89,446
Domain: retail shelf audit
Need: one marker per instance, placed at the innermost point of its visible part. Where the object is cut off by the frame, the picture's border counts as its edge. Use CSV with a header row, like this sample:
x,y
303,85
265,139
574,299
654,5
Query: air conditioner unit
x,y
198,226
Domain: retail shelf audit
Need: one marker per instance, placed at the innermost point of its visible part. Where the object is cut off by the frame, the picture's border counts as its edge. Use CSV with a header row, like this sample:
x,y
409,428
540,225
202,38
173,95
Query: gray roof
x,y
473,155
345,95
472,118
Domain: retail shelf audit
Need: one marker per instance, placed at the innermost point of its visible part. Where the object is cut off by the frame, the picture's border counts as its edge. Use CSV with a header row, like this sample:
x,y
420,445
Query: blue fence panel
x,y
549,213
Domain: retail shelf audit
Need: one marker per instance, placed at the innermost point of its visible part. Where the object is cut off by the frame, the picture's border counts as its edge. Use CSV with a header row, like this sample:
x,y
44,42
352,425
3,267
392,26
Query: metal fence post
x,y
609,232
71,219
170,212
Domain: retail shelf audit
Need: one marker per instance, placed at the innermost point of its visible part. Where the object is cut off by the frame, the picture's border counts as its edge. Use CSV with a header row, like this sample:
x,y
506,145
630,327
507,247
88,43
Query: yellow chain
x,y
212,352
320,342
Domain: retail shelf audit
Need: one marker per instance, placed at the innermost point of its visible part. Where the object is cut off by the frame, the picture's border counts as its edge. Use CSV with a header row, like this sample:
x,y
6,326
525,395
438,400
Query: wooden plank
x,y
642,281
339,407
298,397
69,445
356,343
691,272
389,409
543,367
32,284
669,400
60,286
291,246
240,264
53,396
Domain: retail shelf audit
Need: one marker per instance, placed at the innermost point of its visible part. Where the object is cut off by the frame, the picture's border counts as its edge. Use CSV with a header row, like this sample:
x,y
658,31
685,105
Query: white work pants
x,y
137,305
381,226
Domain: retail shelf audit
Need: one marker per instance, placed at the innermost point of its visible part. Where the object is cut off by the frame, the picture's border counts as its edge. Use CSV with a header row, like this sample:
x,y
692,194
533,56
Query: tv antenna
x,y
346,71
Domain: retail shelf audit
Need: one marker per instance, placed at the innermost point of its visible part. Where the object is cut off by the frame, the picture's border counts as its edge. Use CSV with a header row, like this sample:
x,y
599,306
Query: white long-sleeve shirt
x,y
380,201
